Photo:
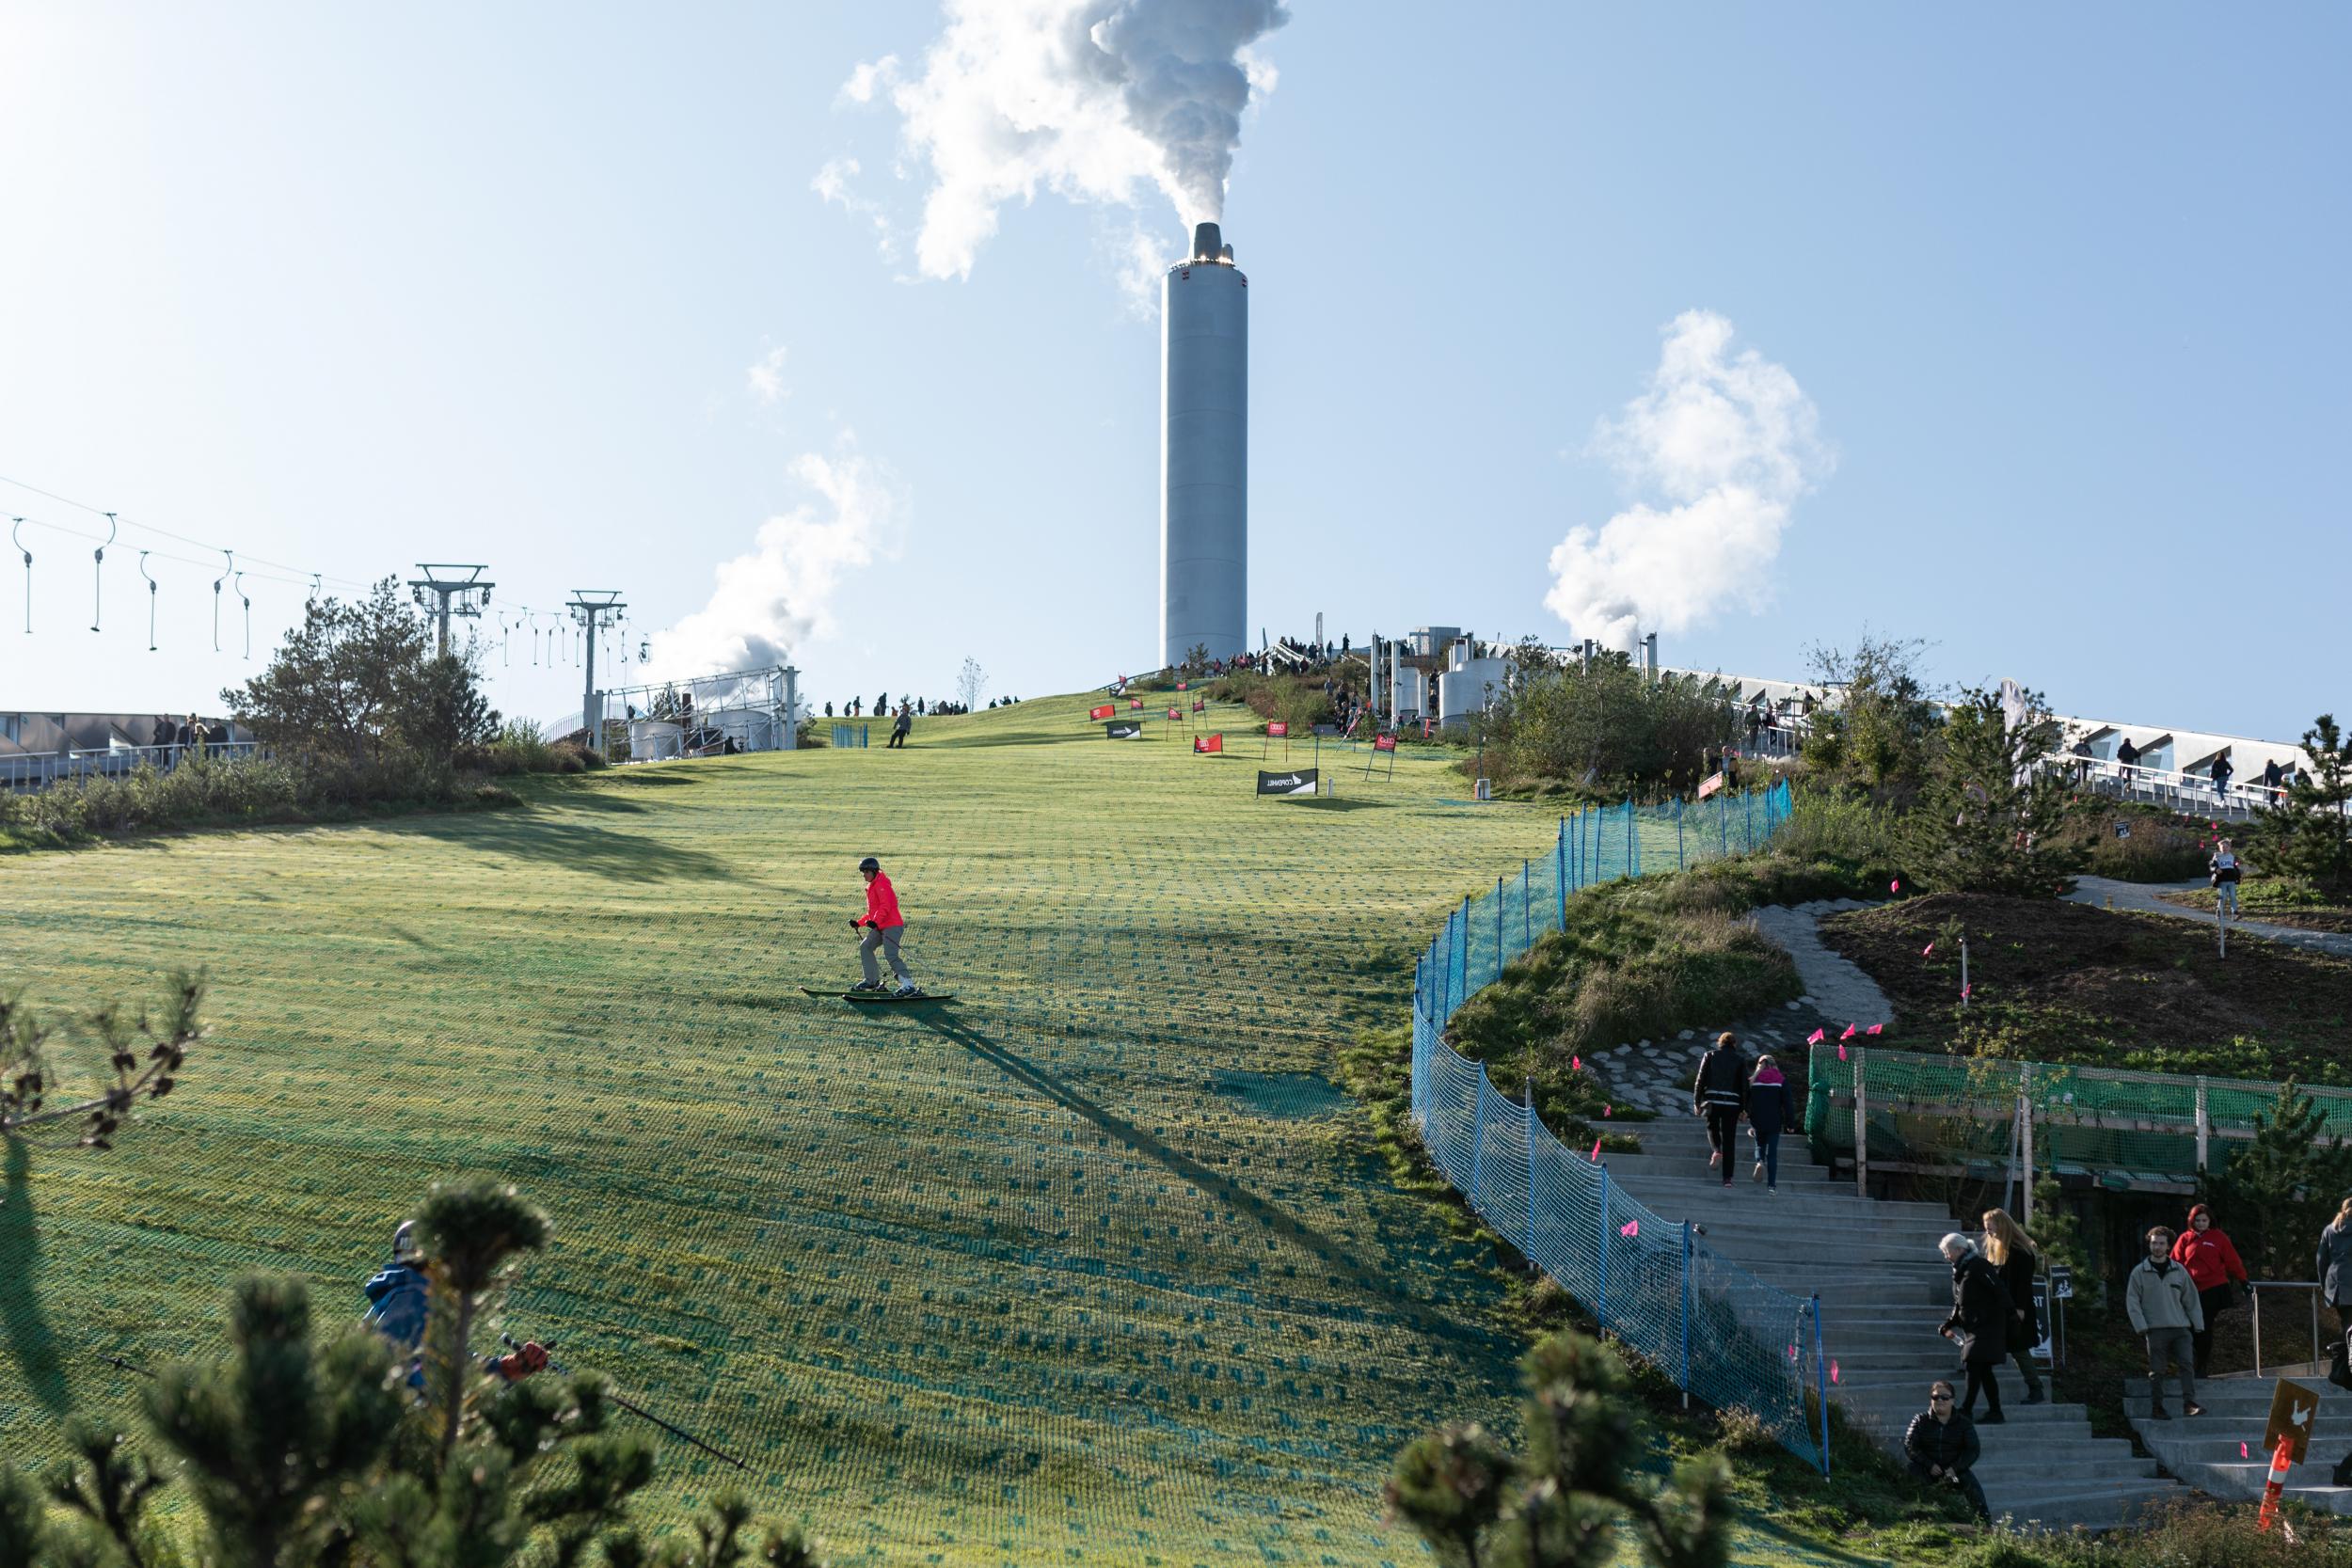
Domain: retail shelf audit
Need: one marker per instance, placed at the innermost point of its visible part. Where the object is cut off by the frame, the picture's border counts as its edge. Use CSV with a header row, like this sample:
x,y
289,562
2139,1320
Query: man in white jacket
x,y
2166,1311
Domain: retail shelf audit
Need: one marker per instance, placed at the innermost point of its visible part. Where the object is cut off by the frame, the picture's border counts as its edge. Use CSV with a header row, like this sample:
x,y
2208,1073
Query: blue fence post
x,y
1686,1314
1561,851
1461,993
1820,1381
1533,1126
1600,1307
1498,902
1478,1143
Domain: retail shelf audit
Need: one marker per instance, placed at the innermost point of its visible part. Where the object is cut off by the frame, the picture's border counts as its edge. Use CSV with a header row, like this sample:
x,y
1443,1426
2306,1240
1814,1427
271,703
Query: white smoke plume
x,y
1086,97
782,592
1728,443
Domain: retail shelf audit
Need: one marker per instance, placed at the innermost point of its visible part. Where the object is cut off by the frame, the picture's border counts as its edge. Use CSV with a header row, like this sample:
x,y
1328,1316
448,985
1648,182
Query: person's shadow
x,y
32,1342
1380,1284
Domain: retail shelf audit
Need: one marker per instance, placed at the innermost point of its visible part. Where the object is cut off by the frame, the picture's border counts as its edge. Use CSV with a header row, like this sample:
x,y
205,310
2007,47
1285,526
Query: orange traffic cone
x,y
2280,1462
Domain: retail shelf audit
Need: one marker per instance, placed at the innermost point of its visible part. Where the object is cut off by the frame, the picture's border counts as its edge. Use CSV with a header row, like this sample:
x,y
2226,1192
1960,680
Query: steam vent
x,y
1204,452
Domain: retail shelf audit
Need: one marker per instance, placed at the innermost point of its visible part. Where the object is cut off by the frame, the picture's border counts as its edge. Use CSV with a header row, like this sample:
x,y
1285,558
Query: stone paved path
x,y
2141,899
1656,1075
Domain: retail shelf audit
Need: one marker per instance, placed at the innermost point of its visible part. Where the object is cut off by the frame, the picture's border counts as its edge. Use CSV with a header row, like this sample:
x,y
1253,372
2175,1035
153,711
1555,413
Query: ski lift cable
x,y
150,528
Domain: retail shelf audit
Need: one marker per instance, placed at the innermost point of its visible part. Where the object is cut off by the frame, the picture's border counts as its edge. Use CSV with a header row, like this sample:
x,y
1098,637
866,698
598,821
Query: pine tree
x,y
1987,817
1559,1502
2279,1188
2308,834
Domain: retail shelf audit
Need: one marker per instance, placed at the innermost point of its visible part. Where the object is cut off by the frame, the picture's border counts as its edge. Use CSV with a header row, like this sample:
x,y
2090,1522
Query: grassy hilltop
x,y
1092,1266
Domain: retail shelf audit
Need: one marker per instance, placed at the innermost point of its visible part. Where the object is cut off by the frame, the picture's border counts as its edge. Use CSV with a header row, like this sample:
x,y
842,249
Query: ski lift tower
x,y
587,607
467,596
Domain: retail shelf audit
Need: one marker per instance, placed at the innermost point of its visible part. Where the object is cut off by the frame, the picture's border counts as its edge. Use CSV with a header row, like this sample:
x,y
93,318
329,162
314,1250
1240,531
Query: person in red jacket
x,y
882,927
2211,1262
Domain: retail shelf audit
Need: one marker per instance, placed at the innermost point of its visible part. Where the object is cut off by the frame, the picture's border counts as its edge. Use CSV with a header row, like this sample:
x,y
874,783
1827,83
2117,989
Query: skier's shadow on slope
x,y
1222,1188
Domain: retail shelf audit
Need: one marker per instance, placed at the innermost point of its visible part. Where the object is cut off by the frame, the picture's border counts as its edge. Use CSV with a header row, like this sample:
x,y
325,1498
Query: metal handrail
x,y
2255,1289
38,769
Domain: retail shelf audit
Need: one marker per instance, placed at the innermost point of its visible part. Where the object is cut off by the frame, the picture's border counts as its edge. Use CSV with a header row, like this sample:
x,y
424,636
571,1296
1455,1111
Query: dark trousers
x,y
2215,1302
1767,1155
1723,1135
2026,1365
1967,1484
1981,1376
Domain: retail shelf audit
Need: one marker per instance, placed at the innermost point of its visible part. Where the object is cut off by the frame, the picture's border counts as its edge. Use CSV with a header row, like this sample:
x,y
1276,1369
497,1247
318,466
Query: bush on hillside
x,y
1605,730
1558,1501
1879,733
2134,843
302,1449
2308,835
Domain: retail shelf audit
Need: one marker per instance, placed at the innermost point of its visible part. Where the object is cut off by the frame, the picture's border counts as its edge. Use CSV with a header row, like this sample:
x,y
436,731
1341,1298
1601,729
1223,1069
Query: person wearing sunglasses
x,y
1941,1445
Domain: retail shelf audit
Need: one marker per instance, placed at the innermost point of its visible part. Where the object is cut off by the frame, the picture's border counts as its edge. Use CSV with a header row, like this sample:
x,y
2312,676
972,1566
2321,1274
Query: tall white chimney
x,y
1204,452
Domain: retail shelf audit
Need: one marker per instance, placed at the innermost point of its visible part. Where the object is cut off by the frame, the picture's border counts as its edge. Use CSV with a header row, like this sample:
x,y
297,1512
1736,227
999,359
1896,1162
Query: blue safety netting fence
x,y
1724,1335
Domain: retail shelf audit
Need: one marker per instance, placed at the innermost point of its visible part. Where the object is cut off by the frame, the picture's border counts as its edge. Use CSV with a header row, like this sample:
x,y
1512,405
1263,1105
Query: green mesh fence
x,y
1715,1328
2122,1128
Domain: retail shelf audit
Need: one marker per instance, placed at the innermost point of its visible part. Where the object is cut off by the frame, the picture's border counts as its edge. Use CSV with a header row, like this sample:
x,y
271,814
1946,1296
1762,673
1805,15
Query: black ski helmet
x,y
870,863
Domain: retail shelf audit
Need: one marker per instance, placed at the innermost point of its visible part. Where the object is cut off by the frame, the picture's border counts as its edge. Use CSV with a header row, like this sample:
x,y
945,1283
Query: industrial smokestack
x,y
1204,453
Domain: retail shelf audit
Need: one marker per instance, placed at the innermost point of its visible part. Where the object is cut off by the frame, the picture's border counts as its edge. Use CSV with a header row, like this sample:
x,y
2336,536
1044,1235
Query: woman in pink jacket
x,y
2204,1250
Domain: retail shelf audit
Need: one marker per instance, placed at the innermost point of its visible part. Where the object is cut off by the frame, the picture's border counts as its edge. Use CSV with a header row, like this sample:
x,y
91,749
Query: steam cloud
x,y
1086,97
1728,443
781,594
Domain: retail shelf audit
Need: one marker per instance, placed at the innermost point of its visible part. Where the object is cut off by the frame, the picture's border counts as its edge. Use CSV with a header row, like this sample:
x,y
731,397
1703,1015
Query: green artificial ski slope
x,y
1076,1270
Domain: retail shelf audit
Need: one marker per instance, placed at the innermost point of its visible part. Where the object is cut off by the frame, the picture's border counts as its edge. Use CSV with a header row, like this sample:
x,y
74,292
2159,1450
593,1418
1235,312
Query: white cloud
x,y
831,184
870,77
766,379
1090,99
1729,443
782,592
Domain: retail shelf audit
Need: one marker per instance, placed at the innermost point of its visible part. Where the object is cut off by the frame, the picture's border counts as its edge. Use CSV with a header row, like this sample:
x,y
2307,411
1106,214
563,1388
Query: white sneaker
x,y
1757,1175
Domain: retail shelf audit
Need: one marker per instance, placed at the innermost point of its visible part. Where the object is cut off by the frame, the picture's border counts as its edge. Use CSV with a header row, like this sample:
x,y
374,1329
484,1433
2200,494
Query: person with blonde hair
x,y
2015,1257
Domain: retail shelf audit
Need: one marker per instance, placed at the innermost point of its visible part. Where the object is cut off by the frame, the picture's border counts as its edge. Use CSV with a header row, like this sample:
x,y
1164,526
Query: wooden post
x,y
1861,1121
2204,1125
2025,1099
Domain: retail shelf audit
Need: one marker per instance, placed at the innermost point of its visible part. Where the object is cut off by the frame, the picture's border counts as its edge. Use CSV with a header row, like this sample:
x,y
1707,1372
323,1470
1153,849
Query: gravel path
x,y
2140,898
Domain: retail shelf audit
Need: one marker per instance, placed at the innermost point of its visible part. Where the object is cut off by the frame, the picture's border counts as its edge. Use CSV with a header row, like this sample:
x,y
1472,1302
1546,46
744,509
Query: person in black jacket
x,y
2011,1251
1941,1445
1718,1093
1978,1324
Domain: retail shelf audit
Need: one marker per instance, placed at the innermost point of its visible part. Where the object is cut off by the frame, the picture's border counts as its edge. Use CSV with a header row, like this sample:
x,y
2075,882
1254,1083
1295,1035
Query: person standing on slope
x,y
1718,1094
1768,1110
2205,1251
883,928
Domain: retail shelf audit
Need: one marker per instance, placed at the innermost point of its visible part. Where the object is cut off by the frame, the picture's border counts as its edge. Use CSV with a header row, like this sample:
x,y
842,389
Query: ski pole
x,y
637,1410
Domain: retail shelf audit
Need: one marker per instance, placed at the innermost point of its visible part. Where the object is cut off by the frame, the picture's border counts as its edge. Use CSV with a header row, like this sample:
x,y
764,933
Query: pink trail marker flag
x,y
1596,1151
1895,886
1927,950
1631,1228
1850,1032
1817,1037
1576,1064
1833,1371
1604,1110
1874,1028
1841,1051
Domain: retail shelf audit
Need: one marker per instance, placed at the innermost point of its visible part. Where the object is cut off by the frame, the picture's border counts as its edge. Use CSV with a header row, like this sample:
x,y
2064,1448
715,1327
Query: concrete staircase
x,y
1885,1290
2221,1452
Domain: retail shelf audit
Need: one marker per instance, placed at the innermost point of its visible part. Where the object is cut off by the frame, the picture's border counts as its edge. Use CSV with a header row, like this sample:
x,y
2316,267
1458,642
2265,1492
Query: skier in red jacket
x,y
880,927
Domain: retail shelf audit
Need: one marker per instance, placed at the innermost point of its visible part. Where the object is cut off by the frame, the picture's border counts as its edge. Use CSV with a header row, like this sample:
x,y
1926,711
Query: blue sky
x,y
347,288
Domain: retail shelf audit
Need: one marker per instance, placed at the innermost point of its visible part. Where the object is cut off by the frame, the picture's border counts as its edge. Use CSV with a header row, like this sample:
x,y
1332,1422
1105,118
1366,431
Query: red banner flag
x,y
1384,743
1199,704
1175,713
1136,703
1109,710
1279,729
1709,785
1209,743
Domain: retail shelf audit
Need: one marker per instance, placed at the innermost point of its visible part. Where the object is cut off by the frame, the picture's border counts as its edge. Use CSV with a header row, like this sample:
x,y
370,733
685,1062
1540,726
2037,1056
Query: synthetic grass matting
x,y
1084,1267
